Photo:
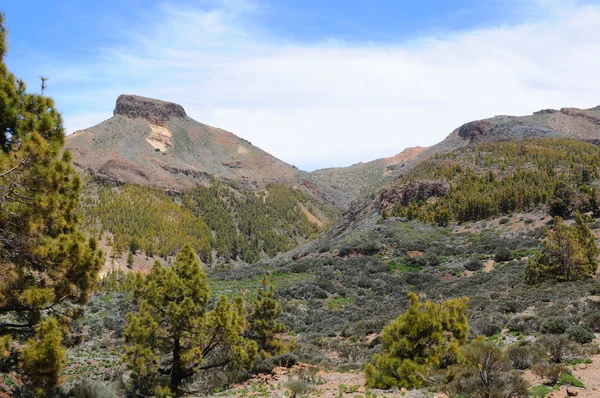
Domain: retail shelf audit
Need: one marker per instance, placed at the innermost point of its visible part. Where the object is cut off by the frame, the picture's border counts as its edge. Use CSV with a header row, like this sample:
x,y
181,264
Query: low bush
x,y
549,371
523,355
486,373
286,360
579,334
298,387
592,321
524,324
87,389
487,326
554,325
502,254
473,265
557,346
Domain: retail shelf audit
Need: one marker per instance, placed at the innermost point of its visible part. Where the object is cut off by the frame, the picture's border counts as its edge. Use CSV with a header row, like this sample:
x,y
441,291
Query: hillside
x,y
137,223
427,172
362,179
152,142
581,124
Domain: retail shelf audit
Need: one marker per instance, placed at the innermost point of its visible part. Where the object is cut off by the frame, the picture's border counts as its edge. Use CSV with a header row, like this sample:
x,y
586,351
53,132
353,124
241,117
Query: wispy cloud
x,y
334,102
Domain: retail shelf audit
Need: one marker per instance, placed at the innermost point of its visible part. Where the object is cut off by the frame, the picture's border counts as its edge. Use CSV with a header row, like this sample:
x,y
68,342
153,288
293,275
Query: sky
x,y
315,83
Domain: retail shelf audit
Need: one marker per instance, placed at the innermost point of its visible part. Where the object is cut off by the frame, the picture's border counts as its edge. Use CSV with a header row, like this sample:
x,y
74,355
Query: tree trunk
x,y
177,372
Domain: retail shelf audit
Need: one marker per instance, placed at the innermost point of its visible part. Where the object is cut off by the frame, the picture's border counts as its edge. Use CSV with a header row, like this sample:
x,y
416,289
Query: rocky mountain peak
x,y
155,111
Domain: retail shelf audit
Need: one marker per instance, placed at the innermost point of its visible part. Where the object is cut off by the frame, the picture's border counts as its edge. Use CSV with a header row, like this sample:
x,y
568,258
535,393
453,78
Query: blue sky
x,y
316,83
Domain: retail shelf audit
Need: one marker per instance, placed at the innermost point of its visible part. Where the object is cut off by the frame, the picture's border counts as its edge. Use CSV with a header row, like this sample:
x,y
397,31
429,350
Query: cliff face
x,y
154,142
155,111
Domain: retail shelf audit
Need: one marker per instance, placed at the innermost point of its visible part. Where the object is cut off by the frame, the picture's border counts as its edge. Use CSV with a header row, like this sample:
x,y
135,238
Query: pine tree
x,y
130,260
588,241
175,335
263,321
426,337
45,262
569,254
43,356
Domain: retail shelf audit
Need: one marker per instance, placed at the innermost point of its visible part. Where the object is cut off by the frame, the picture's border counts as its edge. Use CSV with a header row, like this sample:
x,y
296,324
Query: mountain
x,y
152,142
581,124
364,178
420,174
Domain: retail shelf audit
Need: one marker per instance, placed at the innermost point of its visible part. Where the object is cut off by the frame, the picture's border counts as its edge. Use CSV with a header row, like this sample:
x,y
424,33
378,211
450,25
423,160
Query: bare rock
x,y
571,392
545,111
155,111
581,113
416,191
472,130
279,370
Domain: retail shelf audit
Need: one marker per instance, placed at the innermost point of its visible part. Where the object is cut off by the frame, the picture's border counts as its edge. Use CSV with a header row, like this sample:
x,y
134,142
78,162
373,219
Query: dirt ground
x,y
326,384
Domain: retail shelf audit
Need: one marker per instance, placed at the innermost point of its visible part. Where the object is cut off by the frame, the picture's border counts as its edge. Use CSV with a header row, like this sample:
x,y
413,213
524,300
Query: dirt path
x,y
589,374
311,217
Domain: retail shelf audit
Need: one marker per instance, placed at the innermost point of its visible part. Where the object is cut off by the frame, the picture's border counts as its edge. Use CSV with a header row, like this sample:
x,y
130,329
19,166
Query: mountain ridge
x,y
363,215
153,142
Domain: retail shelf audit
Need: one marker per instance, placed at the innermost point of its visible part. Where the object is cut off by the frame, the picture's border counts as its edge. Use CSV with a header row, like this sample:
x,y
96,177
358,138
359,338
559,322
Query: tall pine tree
x,y
425,338
569,253
45,262
175,335
263,321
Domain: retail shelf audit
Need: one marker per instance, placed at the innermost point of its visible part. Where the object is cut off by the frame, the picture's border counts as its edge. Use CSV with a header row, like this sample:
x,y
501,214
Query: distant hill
x,y
365,178
152,142
423,180
581,124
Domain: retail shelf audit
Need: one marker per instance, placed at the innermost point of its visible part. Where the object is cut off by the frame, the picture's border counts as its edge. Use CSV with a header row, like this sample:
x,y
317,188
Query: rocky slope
x,y
582,124
153,142
360,218
364,178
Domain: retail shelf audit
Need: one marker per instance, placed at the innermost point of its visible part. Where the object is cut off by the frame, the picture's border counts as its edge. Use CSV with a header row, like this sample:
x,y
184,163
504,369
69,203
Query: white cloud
x,y
334,102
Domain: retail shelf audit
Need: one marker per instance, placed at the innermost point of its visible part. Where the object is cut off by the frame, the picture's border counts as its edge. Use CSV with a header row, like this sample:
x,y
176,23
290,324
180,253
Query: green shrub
x,y
579,334
502,253
554,325
473,265
567,379
592,321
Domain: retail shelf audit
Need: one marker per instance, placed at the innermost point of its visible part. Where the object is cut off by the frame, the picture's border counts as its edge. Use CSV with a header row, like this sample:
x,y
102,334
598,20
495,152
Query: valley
x,y
464,218
152,255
